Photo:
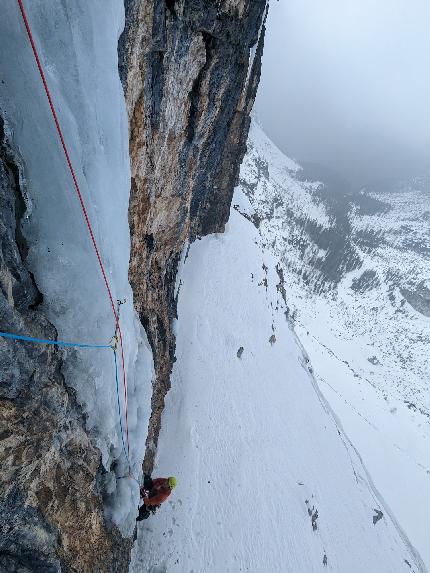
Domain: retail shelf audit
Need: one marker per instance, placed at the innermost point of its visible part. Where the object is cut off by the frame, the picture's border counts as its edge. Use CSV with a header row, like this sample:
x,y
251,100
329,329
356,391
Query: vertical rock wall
x,y
190,70
51,512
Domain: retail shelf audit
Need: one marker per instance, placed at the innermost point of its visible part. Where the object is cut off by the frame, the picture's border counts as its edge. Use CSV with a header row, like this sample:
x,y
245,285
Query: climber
x,y
153,493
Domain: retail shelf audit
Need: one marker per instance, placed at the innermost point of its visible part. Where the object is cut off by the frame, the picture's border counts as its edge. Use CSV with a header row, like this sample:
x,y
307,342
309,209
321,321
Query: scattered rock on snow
x,y
313,514
378,515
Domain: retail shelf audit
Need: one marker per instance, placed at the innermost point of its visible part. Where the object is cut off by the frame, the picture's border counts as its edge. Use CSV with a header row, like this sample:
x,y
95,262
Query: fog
x,y
346,83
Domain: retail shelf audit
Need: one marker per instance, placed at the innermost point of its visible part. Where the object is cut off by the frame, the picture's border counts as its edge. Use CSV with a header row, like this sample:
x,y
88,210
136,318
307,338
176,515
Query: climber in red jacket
x,y
154,492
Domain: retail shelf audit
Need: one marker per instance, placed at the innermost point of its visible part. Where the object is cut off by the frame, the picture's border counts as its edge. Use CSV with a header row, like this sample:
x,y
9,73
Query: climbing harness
x,y
118,333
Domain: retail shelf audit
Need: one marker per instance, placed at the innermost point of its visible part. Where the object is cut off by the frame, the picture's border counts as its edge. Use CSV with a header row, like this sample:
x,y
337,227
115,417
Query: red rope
x,y
81,201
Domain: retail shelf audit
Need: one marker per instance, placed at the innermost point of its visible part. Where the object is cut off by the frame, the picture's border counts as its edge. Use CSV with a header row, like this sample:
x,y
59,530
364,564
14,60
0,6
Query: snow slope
x,y
354,277
268,481
78,47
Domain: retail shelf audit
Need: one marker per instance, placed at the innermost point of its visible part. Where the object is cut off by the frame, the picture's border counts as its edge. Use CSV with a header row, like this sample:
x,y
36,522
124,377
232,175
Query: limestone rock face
x,y
51,514
190,69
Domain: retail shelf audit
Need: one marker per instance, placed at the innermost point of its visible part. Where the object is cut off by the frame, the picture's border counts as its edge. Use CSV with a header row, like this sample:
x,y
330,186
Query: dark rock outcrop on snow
x,y
190,71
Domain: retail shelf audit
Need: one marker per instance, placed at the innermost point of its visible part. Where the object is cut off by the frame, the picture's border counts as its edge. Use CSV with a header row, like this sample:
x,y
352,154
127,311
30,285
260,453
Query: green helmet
x,y
172,482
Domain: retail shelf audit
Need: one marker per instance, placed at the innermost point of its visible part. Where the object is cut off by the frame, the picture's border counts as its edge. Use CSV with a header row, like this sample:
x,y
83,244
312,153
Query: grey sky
x,y
346,83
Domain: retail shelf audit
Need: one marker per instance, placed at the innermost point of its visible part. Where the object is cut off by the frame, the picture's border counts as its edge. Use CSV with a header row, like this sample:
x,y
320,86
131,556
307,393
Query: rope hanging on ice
x,y
85,214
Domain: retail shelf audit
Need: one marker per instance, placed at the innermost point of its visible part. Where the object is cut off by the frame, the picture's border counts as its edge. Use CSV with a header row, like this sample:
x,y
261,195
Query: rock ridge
x,y
190,71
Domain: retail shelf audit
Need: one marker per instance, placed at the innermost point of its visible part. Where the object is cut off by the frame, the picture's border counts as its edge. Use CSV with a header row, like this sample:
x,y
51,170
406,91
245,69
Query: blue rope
x,y
119,408
76,344
51,342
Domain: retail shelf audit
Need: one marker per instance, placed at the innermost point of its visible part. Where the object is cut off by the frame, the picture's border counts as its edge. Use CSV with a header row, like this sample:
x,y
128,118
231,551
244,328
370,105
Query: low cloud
x,y
346,83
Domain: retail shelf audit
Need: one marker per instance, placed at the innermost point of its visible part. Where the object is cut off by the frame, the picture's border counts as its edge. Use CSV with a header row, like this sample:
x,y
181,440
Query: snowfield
x,y
268,481
367,345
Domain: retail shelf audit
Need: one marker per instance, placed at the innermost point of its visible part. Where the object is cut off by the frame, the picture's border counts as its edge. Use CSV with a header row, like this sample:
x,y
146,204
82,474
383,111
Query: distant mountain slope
x,y
268,481
355,272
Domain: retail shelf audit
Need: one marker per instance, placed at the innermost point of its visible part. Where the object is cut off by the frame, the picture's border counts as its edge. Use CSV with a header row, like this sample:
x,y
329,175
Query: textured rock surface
x,y
190,79
190,83
51,515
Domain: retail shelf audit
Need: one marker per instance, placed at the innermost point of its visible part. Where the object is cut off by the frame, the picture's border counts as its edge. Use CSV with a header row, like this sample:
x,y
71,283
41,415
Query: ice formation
x,y
78,45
